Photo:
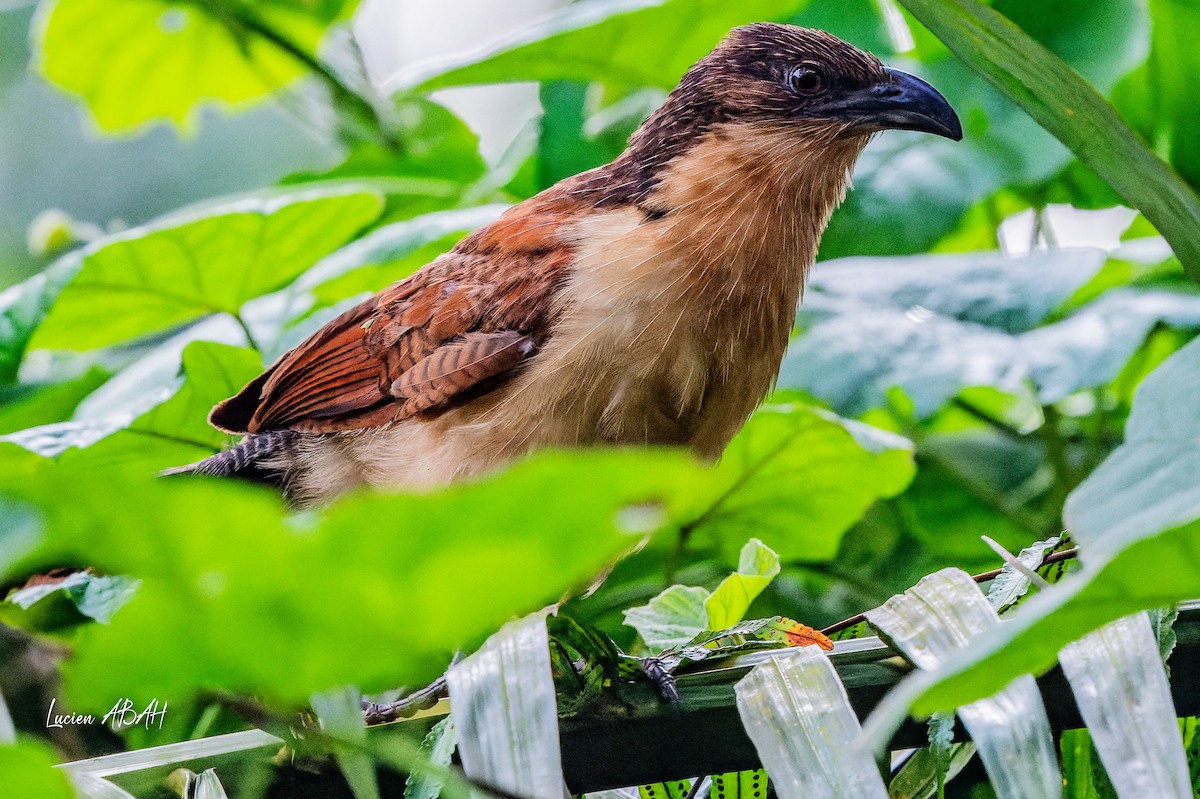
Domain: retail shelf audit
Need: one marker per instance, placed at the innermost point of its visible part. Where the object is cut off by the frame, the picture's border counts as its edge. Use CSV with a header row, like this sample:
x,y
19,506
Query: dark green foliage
x,y
925,400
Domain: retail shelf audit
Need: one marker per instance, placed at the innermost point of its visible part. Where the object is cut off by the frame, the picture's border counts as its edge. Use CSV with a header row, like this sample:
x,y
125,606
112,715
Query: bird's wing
x,y
457,327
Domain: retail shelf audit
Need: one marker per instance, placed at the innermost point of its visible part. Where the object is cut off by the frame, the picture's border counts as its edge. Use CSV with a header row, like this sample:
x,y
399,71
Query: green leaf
x,y
920,775
1162,621
1063,103
936,325
30,405
137,62
1138,513
1010,585
96,596
1147,484
931,325
25,305
173,432
672,618
941,749
438,748
1092,346
1157,98
798,477
230,580
186,266
382,257
757,566
680,613
100,597
433,143
620,42
30,766
985,288
911,189
177,431
340,713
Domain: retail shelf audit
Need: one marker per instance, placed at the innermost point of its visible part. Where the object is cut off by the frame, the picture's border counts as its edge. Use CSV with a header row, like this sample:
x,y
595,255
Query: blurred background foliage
x,y
191,188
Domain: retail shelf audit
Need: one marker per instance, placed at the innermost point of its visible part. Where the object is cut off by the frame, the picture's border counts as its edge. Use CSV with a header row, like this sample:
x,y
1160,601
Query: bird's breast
x,y
657,340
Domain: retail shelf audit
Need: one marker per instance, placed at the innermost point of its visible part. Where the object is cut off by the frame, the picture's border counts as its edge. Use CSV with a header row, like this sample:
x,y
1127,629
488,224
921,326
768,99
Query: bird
x,y
647,301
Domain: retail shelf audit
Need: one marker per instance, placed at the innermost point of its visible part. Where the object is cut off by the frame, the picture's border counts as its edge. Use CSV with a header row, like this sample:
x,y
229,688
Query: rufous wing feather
x,y
456,367
458,326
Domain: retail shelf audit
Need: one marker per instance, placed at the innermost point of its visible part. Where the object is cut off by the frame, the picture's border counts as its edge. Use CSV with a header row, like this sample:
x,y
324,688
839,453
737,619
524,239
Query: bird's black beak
x,y
898,102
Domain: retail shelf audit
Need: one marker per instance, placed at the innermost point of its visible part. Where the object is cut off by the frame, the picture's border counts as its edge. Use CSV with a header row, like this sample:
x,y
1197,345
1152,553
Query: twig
x,y
991,421
1054,557
242,16
406,706
1011,559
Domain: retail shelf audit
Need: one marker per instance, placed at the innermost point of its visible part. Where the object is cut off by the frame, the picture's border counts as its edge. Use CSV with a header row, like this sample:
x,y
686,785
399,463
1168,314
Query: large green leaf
x,y
1092,346
797,478
1149,483
172,431
622,42
29,405
931,325
177,431
183,267
1158,98
25,305
376,591
936,325
386,255
911,189
29,766
1066,105
1112,585
986,288
1138,514
136,62
432,143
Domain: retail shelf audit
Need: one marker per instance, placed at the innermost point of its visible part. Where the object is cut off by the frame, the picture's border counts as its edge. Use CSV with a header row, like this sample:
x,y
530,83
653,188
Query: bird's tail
x,y
245,459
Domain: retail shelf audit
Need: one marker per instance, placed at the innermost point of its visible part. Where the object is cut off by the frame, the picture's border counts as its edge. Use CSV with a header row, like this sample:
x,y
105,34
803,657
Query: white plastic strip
x,y
939,616
1123,695
503,702
796,712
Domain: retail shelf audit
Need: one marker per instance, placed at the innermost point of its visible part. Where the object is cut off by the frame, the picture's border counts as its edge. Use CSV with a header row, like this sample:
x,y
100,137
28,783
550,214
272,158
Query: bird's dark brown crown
x,y
762,73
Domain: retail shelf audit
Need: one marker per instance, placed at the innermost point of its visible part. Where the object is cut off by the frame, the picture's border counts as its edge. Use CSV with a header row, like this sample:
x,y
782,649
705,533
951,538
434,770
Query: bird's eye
x,y
806,80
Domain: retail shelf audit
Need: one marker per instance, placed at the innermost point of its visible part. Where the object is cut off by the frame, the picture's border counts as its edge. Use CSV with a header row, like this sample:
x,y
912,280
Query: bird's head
x,y
790,77
792,98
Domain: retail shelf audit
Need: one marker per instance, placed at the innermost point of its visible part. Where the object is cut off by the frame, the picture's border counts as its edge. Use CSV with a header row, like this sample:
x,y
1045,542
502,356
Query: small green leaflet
x,y
680,613
438,748
95,596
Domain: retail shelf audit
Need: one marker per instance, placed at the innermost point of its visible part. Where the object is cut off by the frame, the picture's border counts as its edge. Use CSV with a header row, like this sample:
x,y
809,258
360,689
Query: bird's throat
x,y
748,205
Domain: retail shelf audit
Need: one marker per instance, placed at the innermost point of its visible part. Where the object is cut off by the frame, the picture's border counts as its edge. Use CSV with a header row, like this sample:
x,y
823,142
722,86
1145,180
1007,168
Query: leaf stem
x,y
1053,557
246,331
238,15
987,495
1056,456
991,421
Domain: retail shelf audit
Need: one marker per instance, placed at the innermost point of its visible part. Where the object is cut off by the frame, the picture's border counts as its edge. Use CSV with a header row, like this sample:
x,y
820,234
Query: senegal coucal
x,y
648,301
